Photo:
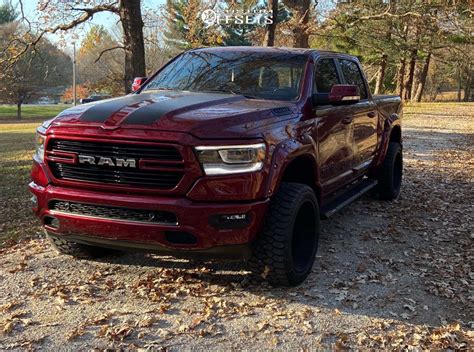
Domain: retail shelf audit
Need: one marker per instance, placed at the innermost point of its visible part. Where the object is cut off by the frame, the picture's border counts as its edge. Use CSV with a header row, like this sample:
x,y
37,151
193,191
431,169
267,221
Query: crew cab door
x,y
365,117
334,130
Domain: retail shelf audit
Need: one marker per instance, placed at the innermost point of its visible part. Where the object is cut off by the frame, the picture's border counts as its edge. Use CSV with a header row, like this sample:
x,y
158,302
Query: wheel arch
x,y
392,132
294,165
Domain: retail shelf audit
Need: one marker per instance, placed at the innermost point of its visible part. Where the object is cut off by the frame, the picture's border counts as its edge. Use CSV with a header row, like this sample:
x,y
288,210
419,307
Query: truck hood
x,y
204,115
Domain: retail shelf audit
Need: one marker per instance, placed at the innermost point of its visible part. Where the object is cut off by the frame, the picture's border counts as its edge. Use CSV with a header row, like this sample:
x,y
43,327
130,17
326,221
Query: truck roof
x,y
270,49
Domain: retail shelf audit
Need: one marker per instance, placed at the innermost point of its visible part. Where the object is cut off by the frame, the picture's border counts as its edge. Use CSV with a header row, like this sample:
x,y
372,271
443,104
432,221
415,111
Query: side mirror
x,y
340,94
138,82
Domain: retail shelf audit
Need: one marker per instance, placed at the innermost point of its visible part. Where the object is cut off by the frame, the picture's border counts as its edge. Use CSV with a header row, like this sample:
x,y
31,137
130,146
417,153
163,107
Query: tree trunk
x,y
402,65
271,27
18,110
467,87
459,85
379,84
416,80
299,21
411,74
401,77
132,24
423,76
381,75
433,96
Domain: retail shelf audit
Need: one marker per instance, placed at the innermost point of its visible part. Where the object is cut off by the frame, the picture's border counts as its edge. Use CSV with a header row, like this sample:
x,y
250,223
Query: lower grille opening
x,y
118,213
51,221
179,237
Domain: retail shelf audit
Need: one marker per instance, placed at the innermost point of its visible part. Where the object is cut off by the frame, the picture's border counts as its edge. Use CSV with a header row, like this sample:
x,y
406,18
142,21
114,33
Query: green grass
x,y
16,150
31,112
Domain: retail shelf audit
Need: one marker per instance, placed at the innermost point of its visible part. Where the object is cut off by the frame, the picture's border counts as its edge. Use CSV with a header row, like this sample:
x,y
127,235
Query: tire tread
x,y
269,257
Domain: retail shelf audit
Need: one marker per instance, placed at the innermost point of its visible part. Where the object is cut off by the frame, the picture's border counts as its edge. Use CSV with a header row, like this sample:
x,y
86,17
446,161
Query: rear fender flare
x,y
390,123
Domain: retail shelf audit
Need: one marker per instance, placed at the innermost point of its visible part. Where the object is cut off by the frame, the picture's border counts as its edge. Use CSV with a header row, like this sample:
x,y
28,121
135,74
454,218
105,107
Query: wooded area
x,y
421,50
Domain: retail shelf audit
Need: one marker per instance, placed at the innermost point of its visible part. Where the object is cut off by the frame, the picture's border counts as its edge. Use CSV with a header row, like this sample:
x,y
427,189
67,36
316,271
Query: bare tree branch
x,y
109,49
387,14
87,15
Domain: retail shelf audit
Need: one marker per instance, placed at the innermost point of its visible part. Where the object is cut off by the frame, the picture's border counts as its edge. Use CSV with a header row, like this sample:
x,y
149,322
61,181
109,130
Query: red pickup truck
x,y
229,152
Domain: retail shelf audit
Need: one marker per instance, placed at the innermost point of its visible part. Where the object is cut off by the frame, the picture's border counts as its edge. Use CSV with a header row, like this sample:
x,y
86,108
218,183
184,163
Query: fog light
x,y
230,221
234,217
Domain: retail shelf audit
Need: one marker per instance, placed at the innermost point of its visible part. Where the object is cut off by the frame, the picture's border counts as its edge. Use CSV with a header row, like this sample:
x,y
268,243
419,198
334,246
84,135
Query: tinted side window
x,y
352,74
326,75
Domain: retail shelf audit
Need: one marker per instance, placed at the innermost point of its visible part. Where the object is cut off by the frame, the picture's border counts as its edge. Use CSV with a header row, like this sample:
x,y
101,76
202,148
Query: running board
x,y
347,197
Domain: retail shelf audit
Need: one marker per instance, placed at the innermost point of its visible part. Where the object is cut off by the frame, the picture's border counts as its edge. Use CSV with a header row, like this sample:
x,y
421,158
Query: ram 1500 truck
x,y
229,152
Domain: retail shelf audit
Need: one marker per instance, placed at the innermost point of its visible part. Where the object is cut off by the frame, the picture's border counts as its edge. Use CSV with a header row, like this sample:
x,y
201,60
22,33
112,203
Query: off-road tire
x,y
390,176
284,253
77,250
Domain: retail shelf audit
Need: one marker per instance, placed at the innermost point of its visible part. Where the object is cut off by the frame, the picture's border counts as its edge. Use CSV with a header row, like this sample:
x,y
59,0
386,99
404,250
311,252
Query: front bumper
x,y
193,218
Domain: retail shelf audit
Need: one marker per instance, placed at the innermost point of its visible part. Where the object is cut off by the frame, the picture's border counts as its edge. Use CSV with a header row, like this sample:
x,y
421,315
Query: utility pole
x,y
74,73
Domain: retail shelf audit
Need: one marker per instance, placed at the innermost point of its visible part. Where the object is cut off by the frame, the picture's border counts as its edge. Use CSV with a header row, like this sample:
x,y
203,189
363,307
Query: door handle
x,y
371,114
346,120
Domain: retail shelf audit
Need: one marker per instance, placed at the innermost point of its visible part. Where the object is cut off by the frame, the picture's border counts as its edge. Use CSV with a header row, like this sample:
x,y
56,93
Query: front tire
x,y
77,250
284,252
390,177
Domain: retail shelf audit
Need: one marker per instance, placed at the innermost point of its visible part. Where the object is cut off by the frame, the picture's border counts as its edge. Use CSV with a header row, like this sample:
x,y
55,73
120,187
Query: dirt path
x,y
388,275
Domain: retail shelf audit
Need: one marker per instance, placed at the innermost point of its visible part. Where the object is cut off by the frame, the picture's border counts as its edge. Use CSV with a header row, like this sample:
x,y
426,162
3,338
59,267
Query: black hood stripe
x,y
101,111
149,114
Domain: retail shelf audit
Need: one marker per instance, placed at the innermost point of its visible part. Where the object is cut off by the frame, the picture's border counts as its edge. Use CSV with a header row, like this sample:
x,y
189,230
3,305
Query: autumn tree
x,y
81,92
60,16
243,34
398,41
158,51
185,28
301,13
99,67
38,68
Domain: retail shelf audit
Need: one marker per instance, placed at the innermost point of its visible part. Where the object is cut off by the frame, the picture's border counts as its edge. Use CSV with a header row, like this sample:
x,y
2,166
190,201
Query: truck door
x,y
365,117
333,131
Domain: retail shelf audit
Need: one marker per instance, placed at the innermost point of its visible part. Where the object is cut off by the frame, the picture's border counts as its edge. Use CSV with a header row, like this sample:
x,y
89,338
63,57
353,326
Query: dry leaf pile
x,y
396,276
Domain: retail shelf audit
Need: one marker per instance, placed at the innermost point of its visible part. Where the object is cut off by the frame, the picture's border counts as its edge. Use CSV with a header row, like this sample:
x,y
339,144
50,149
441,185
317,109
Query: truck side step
x,y
348,197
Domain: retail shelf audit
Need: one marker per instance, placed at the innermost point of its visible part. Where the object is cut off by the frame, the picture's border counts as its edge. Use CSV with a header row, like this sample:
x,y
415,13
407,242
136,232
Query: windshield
x,y
261,75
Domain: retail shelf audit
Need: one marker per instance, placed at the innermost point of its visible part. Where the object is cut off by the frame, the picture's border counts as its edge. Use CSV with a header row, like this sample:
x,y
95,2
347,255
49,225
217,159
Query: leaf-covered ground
x,y
388,275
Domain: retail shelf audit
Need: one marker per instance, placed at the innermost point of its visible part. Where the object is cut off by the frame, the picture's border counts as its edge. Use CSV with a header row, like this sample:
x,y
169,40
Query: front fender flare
x,y
286,152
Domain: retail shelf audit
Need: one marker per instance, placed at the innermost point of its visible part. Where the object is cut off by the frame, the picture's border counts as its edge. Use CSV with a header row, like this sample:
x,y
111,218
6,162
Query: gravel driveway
x,y
388,275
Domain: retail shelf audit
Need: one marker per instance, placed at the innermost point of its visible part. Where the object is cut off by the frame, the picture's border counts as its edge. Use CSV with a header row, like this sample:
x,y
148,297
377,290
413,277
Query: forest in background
x,y
420,50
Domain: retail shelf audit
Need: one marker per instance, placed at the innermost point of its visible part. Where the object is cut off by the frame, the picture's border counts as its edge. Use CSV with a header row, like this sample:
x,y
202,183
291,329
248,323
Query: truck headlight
x,y
234,159
39,146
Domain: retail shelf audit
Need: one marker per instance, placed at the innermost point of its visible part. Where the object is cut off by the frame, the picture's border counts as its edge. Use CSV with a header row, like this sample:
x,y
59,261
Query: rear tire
x,y
77,250
284,252
390,177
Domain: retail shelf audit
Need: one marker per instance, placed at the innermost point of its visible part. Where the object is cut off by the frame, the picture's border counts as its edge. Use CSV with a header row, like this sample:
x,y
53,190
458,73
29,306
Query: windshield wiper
x,y
232,92
158,88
